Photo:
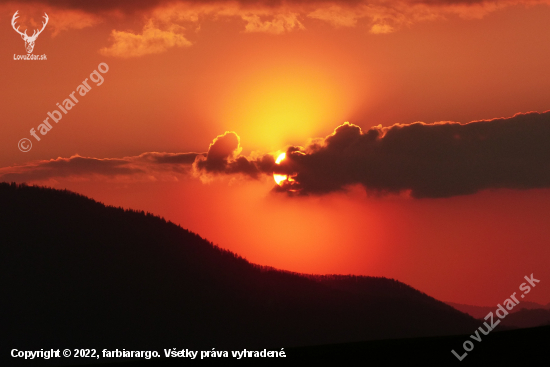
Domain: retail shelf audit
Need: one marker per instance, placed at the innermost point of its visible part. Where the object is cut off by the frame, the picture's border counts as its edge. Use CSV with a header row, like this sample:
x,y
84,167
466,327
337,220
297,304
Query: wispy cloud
x,y
279,23
152,40
145,167
168,21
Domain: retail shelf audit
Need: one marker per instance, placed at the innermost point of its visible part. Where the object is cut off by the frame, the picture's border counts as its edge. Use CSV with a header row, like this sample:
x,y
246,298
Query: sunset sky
x,y
201,97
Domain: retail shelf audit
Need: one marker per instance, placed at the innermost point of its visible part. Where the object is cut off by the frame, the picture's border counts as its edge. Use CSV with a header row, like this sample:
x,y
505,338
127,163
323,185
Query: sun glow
x,y
292,100
280,158
280,178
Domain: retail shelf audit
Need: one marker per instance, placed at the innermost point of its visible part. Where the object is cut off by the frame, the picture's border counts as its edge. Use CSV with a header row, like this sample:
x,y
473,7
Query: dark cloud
x,y
138,5
151,164
428,160
65,167
130,6
101,5
171,158
223,158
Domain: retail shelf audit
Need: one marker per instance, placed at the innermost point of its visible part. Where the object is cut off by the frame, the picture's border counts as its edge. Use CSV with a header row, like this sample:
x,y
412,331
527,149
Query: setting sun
x,y
280,158
280,178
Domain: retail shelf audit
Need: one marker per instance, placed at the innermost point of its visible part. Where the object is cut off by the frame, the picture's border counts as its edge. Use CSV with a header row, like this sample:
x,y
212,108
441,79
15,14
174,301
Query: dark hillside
x,y
75,273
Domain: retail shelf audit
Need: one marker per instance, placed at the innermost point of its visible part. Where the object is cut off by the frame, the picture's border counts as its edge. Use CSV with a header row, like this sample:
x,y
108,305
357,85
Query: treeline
x,y
77,273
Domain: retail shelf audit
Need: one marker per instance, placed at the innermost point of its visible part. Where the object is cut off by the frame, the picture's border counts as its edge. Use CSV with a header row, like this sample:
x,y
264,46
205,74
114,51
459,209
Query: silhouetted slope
x,y
527,318
479,312
76,273
522,347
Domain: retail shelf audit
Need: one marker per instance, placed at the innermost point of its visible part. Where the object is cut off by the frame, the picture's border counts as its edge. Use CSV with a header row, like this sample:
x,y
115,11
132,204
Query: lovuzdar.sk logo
x,y
29,40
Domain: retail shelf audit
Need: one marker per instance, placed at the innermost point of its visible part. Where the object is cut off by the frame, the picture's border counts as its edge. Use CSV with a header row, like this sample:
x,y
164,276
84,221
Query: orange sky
x,y
181,74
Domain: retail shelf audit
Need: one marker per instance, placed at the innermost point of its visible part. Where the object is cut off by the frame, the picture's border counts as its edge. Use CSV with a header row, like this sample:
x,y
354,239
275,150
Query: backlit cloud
x,y
223,158
145,167
151,41
426,160
167,21
435,160
65,20
280,23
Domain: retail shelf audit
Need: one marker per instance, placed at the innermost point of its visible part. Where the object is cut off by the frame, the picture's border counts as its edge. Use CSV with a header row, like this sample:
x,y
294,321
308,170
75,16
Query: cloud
x,y
280,23
97,6
151,41
168,21
435,160
165,19
147,166
336,15
146,5
31,18
426,160
170,158
223,158
65,20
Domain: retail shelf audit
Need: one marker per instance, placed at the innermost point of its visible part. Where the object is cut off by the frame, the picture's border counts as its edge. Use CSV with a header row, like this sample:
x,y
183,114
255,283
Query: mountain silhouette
x,y
526,318
479,312
78,274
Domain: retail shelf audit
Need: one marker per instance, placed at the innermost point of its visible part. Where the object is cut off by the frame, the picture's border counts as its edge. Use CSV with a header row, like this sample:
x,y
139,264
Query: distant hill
x,y
527,318
78,274
479,312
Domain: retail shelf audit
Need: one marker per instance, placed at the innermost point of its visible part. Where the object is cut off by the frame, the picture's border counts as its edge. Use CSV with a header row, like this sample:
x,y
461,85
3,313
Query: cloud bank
x,y
437,160
145,167
426,160
167,22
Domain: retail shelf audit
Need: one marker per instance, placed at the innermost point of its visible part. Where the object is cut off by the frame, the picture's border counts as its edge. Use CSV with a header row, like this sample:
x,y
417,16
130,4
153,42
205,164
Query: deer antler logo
x,y
29,41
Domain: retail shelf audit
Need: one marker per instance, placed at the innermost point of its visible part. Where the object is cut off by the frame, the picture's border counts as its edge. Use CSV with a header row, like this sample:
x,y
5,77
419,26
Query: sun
x,y
280,178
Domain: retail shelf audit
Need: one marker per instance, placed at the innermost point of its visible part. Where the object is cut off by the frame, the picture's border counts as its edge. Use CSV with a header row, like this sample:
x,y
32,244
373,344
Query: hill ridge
x,y
78,272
